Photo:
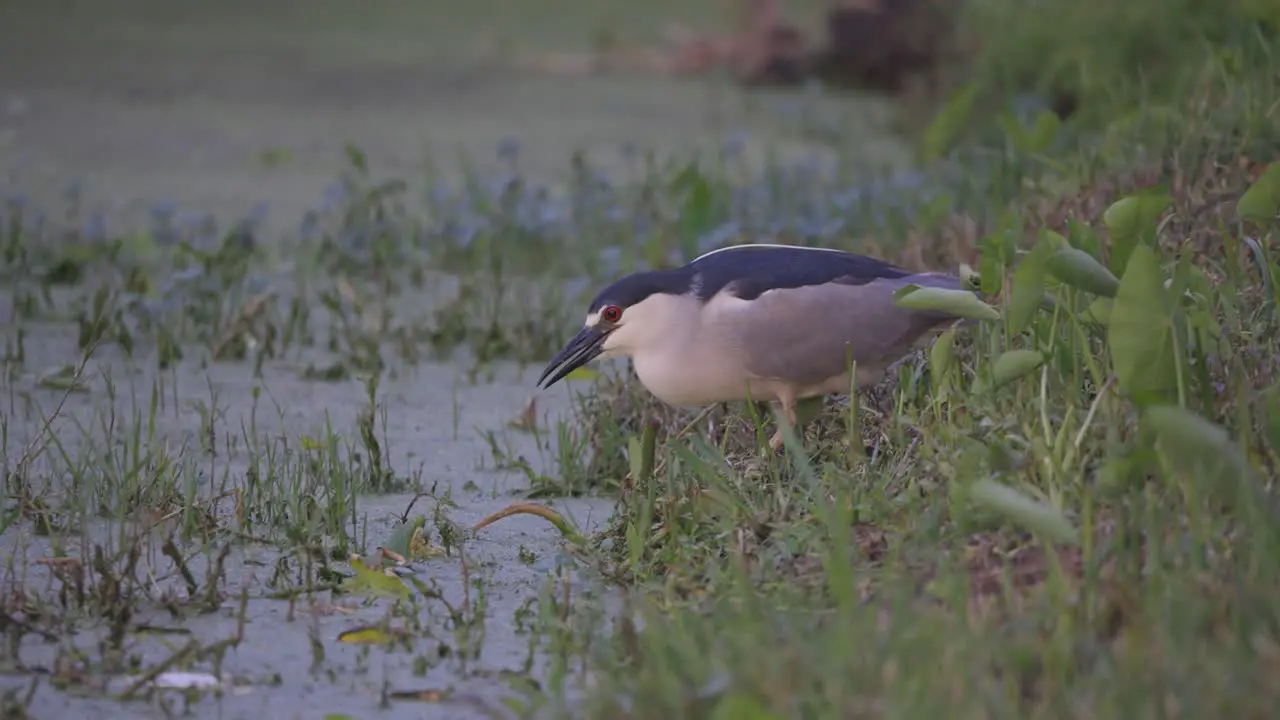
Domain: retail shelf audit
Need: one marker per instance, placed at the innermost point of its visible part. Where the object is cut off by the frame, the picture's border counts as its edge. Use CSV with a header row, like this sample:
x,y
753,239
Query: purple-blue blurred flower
x,y
95,228
719,236
335,196
611,259
509,150
73,192
735,145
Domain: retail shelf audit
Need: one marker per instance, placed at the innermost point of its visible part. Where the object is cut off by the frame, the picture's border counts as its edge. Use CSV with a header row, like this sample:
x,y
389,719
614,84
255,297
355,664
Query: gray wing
x,y
809,334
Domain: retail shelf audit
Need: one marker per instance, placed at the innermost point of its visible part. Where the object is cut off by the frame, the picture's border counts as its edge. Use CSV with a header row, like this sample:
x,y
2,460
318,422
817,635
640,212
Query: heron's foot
x,y
789,413
775,442
797,414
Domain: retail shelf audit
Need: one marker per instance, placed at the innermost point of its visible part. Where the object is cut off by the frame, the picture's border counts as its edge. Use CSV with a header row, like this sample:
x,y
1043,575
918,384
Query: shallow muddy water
x,y
434,420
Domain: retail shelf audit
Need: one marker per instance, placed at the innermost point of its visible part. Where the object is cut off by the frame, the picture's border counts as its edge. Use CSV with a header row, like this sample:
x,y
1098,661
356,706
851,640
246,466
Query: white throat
x,y
674,354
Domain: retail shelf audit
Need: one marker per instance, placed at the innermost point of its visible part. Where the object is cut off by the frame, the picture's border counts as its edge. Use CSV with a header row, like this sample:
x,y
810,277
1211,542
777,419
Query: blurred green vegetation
x,y
1114,56
1068,512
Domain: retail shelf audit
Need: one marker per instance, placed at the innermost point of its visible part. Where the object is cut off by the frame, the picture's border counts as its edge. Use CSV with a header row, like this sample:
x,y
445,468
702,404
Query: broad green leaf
x,y
1014,364
640,453
1079,269
1099,311
1026,293
960,303
990,274
1261,202
1139,332
1054,239
1007,240
1136,213
1024,510
1082,235
1188,431
374,581
1130,218
950,122
940,357
1202,448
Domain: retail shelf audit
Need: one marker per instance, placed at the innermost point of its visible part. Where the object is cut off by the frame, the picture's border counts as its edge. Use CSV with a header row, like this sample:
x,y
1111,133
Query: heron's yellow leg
x,y
789,411
797,414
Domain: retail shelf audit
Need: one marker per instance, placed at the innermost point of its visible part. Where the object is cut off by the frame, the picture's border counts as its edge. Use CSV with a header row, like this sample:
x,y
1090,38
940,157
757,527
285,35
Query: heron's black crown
x,y
748,271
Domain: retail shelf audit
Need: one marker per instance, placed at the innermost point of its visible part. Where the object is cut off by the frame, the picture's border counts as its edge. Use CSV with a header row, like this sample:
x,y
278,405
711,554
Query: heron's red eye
x,y
611,313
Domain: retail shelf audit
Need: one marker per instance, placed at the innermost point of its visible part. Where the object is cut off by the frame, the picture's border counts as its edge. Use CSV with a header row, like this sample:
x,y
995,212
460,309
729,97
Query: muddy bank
x,y
290,663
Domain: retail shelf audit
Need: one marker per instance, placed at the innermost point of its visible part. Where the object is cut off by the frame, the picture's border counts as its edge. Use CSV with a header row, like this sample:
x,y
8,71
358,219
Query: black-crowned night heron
x,y
767,322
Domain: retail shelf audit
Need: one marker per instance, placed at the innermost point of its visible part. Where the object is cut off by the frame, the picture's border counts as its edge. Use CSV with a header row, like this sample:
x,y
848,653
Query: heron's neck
x,y
673,362
674,322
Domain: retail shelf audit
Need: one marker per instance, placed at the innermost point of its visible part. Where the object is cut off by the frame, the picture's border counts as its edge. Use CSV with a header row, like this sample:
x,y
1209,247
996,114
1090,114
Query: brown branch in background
x,y
870,44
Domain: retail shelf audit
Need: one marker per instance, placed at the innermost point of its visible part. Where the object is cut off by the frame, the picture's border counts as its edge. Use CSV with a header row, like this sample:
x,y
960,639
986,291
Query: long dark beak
x,y
582,349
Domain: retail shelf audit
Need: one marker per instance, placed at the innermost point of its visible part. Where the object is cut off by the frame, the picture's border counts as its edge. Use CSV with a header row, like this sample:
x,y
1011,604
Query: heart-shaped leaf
x,y
1205,451
941,356
1014,364
1131,218
1079,269
1017,506
1139,331
1026,293
1261,202
960,303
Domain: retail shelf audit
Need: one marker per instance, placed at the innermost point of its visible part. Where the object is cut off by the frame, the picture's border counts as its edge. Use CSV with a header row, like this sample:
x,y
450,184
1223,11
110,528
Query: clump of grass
x,y
123,531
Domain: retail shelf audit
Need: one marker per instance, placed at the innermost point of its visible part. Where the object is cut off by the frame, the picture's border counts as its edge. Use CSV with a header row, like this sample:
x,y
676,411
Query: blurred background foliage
x,y
1113,56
